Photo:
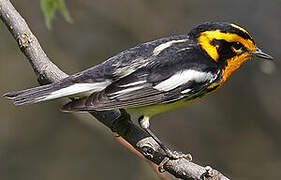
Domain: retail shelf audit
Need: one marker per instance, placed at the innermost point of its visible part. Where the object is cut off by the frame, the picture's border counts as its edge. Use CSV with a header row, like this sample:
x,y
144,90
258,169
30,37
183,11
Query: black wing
x,y
173,75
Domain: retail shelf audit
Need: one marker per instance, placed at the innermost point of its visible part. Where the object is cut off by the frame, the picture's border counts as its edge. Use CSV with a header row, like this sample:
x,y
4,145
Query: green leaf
x,y
63,10
49,8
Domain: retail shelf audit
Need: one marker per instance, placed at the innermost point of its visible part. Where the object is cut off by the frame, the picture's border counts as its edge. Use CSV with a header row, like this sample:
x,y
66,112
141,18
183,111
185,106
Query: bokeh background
x,y
236,130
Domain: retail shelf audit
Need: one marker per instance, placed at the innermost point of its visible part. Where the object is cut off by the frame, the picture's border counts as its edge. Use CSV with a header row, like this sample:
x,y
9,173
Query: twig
x,y
48,72
162,176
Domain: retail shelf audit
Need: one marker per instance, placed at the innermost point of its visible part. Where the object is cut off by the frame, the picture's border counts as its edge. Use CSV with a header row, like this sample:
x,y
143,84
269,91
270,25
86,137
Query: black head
x,y
224,27
224,41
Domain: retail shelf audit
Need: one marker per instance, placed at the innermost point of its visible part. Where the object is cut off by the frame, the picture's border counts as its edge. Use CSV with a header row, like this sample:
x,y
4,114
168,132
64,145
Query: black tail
x,y
30,96
63,88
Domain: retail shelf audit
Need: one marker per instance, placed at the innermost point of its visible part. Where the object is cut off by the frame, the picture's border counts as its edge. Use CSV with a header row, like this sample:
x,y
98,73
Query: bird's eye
x,y
237,46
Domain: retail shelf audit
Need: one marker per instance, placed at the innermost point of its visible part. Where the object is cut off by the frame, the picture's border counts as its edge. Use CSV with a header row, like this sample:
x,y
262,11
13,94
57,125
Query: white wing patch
x,y
130,68
78,88
133,83
183,77
163,46
185,91
183,49
124,91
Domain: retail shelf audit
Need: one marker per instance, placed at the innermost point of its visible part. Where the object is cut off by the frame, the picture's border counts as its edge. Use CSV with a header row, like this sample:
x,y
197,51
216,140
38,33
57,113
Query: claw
x,y
209,171
173,155
177,155
188,157
161,165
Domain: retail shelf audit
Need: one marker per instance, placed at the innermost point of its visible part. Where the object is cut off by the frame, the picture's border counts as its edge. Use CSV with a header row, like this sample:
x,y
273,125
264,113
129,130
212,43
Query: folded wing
x,y
137,89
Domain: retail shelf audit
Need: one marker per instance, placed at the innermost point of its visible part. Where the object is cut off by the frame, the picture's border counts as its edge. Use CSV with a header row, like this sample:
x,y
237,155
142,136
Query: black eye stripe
x,y
217,42
238,45
225,49
225,44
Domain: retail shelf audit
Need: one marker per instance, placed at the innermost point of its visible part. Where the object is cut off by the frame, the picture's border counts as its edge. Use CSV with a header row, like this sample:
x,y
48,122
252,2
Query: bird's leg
x,y
144,123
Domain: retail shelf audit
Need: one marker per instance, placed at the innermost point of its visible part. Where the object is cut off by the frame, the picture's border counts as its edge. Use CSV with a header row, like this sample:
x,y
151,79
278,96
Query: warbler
x,y
156,76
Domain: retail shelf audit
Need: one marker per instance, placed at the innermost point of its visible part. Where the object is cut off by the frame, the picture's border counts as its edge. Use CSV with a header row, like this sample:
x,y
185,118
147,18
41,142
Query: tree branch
x,y
48,72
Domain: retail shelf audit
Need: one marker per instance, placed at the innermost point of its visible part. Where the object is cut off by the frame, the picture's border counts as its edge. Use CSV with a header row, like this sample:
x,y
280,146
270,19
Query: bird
x,y
156,76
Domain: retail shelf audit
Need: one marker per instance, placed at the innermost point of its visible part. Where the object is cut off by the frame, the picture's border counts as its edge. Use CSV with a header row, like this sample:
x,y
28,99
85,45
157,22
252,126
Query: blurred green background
x,y
236,130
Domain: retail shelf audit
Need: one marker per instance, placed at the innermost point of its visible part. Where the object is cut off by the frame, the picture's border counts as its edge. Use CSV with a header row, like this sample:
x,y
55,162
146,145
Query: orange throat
x,y
233,64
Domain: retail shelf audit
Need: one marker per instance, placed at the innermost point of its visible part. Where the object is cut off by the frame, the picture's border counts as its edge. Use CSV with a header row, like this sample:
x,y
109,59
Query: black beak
x,y
260,54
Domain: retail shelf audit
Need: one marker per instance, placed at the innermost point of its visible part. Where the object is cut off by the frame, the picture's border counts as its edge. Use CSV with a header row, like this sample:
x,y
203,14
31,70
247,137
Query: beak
x,y
260,54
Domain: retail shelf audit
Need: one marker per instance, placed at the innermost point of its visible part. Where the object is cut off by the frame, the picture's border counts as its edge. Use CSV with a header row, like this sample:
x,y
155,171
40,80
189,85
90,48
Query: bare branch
x,y
48,72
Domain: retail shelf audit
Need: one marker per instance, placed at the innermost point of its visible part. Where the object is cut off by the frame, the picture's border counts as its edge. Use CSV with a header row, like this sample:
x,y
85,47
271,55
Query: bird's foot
x,y
178,155
172,155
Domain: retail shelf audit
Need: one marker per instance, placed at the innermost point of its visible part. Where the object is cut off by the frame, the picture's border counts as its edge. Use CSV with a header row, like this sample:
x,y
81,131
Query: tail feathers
x,y
54,91
30,96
